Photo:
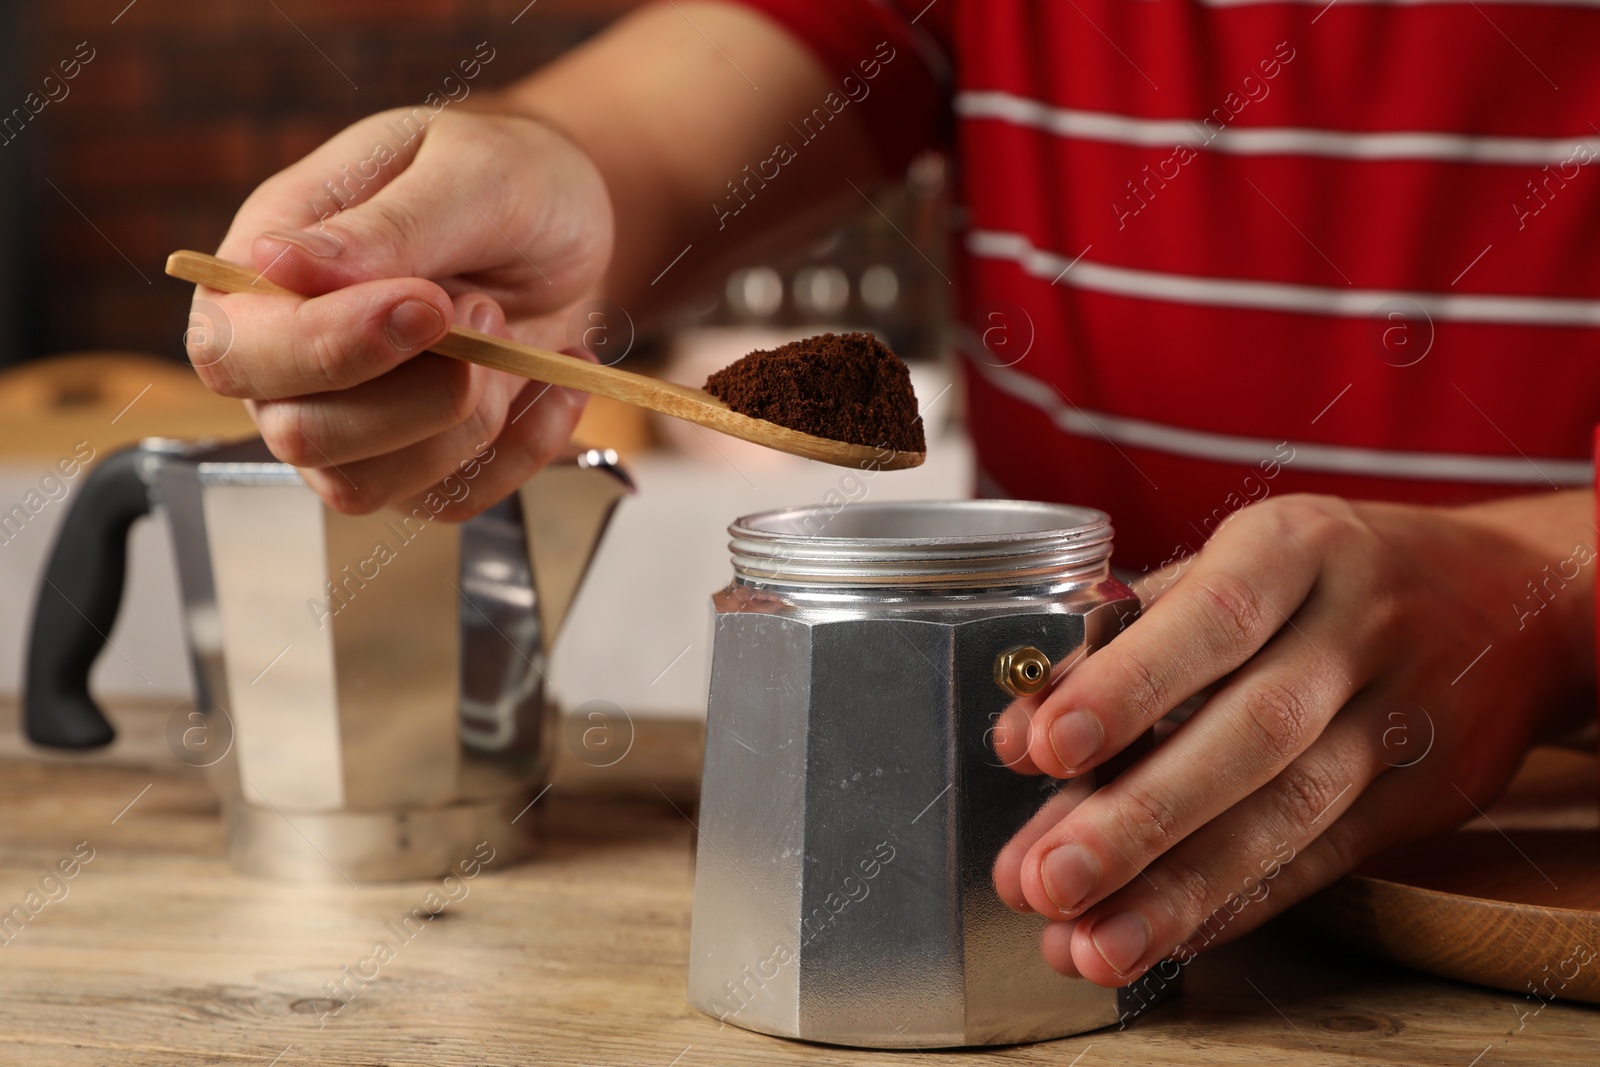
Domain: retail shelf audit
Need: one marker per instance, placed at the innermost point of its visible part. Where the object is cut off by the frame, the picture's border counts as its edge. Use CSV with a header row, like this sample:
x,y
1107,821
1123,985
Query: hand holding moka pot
x,y
860,780
369,696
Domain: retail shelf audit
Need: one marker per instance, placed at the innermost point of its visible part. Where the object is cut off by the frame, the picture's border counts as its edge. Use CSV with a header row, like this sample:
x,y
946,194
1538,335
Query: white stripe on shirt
x,y
1275,296
1249,451
1258,141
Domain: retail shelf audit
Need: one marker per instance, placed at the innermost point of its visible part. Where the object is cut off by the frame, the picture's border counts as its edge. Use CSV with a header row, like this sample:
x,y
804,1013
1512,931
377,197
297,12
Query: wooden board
x,y
160,955
1510,901
107,399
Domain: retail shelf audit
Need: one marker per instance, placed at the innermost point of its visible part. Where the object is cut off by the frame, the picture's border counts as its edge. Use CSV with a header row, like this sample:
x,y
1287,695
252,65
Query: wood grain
x,y
679,401
160,955
1511,900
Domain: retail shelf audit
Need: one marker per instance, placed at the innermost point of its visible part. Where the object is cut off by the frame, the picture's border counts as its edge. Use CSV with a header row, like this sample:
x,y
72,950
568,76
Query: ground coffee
x,y
845,386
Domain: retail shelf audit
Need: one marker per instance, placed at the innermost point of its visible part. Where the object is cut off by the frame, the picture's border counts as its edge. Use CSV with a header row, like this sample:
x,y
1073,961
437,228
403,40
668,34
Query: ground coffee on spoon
x,y
848,386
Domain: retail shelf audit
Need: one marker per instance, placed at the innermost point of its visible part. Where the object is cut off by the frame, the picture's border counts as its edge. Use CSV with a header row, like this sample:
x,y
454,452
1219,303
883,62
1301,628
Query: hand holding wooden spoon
x,y
683,402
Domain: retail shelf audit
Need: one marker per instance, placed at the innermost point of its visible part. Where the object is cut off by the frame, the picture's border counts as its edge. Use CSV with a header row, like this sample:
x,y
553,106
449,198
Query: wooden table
x,y
160,954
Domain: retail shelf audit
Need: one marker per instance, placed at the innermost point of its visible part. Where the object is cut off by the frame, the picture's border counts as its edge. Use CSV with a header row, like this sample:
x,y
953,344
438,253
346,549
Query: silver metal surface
x,y
922,544
379,677
853,804
371,846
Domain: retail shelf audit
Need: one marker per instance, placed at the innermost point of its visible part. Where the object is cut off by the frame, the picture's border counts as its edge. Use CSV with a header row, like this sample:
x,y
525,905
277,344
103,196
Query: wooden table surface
x,y
159,954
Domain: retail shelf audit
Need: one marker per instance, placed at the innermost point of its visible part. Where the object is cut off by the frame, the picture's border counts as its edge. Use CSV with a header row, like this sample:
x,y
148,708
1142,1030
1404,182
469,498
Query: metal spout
x,y
565,510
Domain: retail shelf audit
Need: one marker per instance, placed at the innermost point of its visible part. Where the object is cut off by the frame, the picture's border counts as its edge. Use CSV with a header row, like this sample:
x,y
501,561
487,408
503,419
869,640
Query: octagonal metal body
x,y
852,808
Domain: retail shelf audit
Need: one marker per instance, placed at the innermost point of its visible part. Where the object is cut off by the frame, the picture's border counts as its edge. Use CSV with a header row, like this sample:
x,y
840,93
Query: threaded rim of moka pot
x,y
922,544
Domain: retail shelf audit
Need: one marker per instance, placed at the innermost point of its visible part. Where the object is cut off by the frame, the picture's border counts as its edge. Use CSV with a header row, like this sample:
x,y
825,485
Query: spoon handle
x,y
474,347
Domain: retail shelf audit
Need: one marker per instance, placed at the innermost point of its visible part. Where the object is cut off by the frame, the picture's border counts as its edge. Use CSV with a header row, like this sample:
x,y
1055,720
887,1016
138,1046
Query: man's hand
x,y
493,221
1373,674
502,223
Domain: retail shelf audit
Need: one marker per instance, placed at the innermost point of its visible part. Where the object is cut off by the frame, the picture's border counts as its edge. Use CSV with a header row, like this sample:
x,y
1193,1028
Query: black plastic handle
x,y
78,603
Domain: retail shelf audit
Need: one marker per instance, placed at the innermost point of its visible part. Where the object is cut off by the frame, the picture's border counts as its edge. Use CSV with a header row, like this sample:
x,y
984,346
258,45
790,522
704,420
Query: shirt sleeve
x,y
892,71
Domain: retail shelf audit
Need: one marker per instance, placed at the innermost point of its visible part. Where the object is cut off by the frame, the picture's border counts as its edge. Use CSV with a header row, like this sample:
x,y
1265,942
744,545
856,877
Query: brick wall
x,y
183,108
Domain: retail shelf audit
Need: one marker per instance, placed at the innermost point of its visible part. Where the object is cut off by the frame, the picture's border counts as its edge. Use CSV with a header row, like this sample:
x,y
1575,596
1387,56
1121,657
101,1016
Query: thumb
x,y
499,205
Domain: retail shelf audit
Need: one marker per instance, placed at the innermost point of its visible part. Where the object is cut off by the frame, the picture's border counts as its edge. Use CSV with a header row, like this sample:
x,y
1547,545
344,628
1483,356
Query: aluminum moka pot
x,y
369,689
853,802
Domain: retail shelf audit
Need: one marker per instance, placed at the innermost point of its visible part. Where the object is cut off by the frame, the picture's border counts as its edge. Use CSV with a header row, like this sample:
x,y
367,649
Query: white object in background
x,y
821,291
755,293
880,287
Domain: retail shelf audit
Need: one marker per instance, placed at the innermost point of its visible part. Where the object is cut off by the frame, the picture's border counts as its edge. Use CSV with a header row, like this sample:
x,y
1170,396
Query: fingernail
x,y
1121,940
1070,874
413,324
1075,738
576,398
481,317
319,243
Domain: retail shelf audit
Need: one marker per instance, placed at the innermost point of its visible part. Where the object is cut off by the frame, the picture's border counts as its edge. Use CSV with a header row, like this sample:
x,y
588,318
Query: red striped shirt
x,y
1256,246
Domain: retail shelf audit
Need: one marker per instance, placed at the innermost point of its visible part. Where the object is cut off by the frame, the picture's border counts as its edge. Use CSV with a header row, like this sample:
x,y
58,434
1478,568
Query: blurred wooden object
x,y
49,405
1512,903
608,423
108,399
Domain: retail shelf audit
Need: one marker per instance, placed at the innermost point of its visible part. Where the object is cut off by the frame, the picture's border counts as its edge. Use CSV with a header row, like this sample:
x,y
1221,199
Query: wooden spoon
x,y
679,401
